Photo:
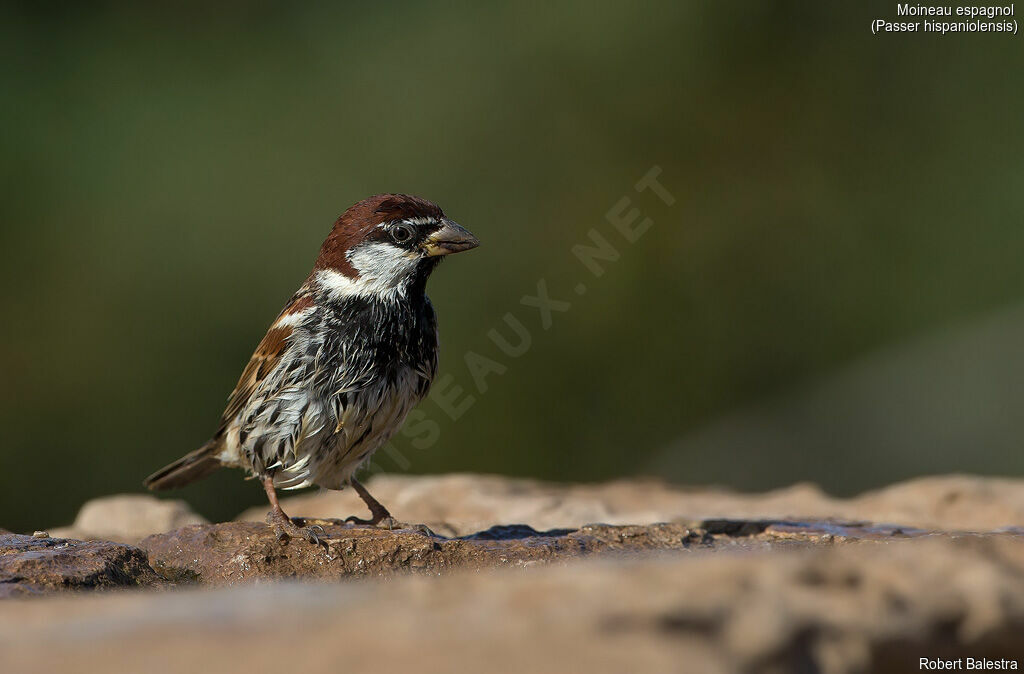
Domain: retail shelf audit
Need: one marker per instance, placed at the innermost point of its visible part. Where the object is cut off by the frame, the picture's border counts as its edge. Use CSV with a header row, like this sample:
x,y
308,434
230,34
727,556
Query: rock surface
x,y
458,505
243,551
792,580
236,552
127,518
838,609
31,565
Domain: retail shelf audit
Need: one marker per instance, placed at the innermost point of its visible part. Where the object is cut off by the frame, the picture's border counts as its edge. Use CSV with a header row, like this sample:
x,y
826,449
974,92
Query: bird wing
x,y
266,358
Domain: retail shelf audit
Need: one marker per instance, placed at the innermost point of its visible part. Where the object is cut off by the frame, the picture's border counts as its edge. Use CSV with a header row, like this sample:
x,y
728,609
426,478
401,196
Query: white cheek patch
x,y
383,263
383,269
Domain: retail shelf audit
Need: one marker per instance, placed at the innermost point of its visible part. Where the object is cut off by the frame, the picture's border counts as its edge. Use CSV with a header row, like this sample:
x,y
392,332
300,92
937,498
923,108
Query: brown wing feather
x,y
204,460
264,359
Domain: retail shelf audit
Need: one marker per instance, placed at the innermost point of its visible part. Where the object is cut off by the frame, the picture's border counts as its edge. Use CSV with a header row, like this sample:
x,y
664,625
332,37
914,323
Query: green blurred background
x,y
835,296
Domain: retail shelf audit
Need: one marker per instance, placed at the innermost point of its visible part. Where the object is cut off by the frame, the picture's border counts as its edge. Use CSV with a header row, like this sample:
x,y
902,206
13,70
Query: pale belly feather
x,y
331,455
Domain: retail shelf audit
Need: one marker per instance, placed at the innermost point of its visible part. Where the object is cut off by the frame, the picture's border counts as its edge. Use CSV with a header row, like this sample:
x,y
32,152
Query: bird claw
x,y
314,533
423,529
287,529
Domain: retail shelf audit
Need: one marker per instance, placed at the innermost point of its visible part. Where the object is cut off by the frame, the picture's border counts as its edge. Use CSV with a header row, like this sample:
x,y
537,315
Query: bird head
x,y
387,245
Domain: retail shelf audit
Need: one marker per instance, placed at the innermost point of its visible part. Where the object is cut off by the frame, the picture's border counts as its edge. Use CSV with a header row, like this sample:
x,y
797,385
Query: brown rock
x,y
854,608
30,565
243,551
461,504
236,552
948,503
736,584
128,518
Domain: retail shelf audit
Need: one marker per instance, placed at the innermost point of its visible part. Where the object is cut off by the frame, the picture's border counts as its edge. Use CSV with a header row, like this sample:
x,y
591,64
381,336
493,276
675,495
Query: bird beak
x,y
451,238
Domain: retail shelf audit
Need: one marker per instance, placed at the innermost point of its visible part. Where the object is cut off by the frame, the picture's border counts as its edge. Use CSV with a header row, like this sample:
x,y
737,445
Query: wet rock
x,y
243,551
128,518
30,565
236,552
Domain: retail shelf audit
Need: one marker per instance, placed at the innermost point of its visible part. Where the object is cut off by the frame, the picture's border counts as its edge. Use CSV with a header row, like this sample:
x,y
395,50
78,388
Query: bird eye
x,y
401,233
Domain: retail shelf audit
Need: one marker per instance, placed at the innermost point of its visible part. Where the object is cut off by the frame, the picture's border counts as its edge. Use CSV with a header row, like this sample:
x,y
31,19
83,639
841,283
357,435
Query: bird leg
x,y
282,524
379,514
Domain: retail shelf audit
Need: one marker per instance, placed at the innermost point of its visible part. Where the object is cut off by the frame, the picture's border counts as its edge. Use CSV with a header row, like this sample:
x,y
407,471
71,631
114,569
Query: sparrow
x,y
351,353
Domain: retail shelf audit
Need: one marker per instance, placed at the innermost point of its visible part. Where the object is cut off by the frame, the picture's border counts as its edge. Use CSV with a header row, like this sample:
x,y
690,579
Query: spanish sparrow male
x,y
342,365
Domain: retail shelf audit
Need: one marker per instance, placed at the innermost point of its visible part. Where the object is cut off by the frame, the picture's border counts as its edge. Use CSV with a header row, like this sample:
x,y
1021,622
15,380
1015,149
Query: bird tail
x,y
189,468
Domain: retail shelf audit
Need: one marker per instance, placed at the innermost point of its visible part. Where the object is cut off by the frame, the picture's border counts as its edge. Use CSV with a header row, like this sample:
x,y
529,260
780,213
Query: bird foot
x,y
418,528
286,529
